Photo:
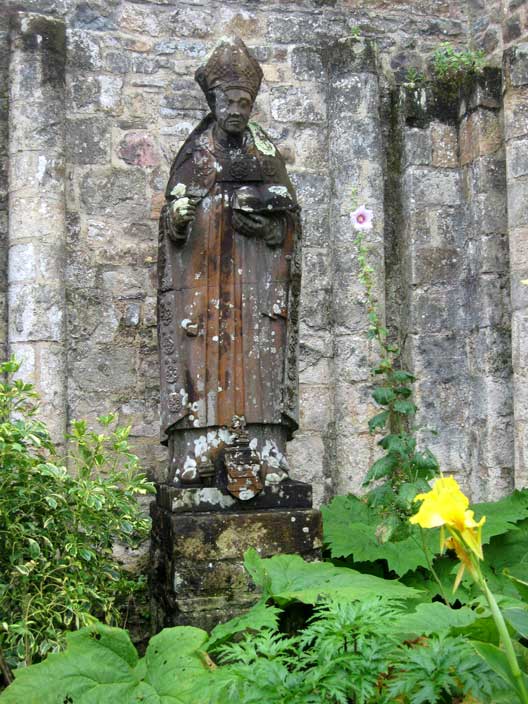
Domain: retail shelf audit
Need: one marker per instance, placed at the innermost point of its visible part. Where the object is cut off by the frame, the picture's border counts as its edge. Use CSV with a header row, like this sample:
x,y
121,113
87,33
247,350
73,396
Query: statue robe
x,y
228,303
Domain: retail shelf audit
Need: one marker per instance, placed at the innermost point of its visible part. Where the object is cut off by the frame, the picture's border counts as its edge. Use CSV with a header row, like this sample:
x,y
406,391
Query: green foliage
x,y
496,659
101,666
256,619
287,578
351,531
413,77
349,652
454,66
57,527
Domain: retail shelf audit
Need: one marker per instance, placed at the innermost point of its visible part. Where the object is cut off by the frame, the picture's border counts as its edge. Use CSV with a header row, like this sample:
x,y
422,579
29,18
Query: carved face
x,y
232,108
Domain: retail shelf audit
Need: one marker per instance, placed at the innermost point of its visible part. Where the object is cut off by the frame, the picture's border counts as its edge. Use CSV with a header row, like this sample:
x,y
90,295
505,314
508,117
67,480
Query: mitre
x,y
230,65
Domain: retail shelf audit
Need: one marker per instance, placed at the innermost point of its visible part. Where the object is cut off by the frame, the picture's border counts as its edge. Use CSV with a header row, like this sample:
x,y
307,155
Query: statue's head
x,y
230,79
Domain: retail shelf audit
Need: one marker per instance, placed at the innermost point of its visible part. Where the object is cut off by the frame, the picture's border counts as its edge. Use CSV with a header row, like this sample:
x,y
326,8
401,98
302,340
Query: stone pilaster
x,y
483,172
356,171
516,140
37,230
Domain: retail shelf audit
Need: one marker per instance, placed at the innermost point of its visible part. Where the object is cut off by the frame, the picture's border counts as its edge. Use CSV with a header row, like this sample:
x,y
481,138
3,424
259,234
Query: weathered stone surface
x,y
289,494
87,140
131,64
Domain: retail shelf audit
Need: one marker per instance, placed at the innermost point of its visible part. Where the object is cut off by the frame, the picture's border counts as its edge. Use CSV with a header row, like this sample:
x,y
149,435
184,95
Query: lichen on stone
x,y
262,143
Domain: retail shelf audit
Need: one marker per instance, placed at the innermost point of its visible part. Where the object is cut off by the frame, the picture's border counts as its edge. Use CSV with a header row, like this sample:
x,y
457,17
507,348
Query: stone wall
x,y
437,182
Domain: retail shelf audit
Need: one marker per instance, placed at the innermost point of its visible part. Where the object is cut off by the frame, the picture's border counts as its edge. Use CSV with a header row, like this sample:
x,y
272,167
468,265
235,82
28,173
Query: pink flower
x,y
362,218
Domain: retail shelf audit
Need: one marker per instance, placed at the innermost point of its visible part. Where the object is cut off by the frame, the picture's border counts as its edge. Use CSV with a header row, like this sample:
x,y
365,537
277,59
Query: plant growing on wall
x,y
57,571
454,66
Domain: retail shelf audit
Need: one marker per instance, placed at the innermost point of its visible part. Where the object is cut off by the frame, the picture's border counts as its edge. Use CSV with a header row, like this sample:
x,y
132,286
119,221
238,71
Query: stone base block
x,y
287,494
198,577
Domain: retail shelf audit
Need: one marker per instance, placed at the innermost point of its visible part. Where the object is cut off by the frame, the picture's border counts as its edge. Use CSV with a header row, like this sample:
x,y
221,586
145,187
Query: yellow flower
x,y
446,505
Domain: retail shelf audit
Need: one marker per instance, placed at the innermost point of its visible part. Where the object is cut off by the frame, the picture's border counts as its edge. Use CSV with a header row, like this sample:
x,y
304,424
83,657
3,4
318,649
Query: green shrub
x,y
57,527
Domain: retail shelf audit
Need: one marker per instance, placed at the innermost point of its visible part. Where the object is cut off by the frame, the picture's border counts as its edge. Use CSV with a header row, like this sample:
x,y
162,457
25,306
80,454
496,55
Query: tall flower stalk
x,y
447,508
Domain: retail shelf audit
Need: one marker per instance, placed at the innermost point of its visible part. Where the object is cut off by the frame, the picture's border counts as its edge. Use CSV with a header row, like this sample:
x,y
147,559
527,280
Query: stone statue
x,y
229,282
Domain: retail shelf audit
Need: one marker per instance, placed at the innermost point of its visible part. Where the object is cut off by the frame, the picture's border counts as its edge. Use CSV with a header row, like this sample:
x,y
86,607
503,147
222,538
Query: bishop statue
x,y
229,274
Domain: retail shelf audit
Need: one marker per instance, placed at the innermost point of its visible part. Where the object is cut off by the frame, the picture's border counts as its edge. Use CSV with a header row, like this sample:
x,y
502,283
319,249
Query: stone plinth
x,y
199,539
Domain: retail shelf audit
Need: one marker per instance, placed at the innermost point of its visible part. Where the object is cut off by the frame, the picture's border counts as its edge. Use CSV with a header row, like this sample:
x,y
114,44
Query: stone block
x,y
355,406
357,453
138,20
512,29
83,92
298,104
84,50
110,88
193,22
432,265
417,147
119,193
315,407
36,312
488,174
87,140
303,27
221,536
516,64
311,146
138,149
286,495
444,145
105,370
307,456
306,63
519,249
352,358
480,134
517,162
517,199
96,17
432,188
516,113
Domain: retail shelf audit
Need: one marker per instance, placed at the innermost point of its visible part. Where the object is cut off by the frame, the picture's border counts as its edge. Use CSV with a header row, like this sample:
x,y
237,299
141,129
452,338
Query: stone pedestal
x,y
199,537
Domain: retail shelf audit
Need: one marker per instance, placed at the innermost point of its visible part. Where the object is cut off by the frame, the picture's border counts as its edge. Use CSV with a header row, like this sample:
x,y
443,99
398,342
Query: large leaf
x,y
518,618
101,666
498,662
435,617
290,578
350,530
258,617
502,515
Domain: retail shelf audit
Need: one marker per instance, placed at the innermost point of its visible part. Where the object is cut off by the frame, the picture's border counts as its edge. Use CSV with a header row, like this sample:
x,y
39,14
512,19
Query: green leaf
x,y
378,421
406,407
258,617
100,665
425,461
380,468
350,531
518,618
402,377
290,578
498,662
383,395
434,617
503,515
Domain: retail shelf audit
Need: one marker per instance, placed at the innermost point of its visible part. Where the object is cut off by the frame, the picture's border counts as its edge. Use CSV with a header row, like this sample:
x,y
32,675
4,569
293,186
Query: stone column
x,y
356,172
486,281
516,139
431,242
37,230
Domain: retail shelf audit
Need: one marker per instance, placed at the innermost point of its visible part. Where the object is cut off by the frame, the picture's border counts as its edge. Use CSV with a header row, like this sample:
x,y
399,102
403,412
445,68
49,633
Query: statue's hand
x,y
274,235
182,212
250,224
